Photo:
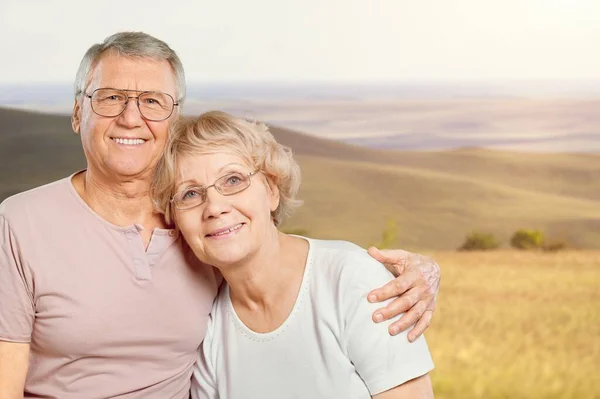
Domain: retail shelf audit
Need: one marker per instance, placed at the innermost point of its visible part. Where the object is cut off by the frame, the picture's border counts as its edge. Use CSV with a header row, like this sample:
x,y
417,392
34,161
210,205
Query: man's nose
x,y
131,115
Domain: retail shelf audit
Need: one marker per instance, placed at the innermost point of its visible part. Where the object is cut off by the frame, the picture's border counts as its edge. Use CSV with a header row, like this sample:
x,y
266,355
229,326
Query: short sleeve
x,y
204,382
382,361
16,290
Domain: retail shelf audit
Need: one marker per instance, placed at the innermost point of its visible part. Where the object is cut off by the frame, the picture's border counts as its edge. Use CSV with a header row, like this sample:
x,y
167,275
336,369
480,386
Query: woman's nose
x,y
216,204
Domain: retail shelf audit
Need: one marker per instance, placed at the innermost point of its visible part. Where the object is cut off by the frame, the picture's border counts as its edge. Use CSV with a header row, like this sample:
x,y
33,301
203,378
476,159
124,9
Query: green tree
x,y
477,241
527,239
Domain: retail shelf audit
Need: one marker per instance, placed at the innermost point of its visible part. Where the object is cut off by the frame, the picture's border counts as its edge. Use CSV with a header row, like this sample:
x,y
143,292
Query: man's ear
x,y
76,117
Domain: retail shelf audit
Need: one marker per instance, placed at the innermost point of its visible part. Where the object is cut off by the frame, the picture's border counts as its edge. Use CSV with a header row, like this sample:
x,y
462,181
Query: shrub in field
x,y
479,241
527,239
555,245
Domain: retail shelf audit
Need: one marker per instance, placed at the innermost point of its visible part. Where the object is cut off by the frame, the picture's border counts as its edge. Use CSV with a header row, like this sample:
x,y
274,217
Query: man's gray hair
x,y
135,45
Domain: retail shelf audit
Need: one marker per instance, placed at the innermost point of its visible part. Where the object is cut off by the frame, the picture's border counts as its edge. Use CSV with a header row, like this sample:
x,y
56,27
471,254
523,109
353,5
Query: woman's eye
x,y
233,180
190,194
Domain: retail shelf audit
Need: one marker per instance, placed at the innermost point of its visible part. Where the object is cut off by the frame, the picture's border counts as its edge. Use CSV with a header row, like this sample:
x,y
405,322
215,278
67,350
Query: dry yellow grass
x,y
517,325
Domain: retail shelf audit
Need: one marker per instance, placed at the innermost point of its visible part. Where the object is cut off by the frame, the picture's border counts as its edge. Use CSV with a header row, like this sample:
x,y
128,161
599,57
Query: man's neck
x,y
120,202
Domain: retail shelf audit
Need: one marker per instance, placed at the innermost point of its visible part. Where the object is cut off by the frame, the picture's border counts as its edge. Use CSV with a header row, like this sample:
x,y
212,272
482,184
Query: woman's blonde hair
x,y
216,131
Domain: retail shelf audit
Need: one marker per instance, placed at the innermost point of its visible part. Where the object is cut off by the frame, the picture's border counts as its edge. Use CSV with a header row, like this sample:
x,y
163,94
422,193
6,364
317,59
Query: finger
x,y
412,316
422,325
395,254
376,254
398,306
388,256
394,288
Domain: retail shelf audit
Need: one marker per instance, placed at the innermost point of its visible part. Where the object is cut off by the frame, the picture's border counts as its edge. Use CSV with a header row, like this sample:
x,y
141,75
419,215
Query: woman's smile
x,y
225,232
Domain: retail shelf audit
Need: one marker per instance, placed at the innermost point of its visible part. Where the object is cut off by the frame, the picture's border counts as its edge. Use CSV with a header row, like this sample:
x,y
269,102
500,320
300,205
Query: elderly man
x,y
99,297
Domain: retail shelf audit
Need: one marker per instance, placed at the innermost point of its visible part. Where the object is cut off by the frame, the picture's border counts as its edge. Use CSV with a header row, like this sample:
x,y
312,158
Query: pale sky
x,y
316,40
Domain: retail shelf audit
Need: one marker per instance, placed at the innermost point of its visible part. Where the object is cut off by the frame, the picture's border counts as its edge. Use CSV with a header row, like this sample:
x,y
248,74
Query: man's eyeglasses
x,y
153,105
193,196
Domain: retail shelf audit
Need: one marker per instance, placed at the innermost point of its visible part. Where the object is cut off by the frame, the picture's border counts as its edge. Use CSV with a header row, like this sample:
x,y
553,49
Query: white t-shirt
x,y
328,347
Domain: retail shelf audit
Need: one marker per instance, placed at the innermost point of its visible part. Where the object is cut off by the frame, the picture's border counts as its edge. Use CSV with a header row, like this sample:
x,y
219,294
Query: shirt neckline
x,y
256,336
134,227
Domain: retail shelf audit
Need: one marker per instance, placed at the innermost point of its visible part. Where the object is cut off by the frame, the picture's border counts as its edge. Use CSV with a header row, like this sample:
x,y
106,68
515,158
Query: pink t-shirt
x,y
104,317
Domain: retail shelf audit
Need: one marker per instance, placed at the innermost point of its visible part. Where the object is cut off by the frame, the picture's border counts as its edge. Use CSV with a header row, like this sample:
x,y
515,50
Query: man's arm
x,y
16,315
14,359
419,388
416,287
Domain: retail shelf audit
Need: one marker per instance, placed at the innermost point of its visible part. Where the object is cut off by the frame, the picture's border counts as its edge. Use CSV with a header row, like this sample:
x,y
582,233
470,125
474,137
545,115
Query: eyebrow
x,y
138,91
188,181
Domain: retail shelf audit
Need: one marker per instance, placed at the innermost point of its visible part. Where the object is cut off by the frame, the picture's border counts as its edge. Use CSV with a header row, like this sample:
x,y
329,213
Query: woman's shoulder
x,y
347,263
335,245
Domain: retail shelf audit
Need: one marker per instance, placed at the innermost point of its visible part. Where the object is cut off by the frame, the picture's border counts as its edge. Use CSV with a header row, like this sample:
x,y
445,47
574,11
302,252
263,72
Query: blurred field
x,y
436,199
423,122
517,325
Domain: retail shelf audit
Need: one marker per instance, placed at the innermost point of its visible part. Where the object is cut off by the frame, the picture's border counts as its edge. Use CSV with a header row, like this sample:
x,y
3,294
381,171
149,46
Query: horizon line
x,y
374,82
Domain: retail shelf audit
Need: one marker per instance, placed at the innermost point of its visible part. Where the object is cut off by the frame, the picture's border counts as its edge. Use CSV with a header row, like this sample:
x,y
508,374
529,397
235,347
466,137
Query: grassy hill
x,y
351,192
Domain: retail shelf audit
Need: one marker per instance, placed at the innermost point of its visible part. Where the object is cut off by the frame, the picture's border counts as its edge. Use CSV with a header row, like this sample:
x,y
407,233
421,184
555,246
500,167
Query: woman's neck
x,y
264,288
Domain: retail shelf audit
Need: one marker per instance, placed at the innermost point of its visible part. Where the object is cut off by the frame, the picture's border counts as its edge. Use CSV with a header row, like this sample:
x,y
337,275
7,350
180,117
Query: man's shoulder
x,y
33,201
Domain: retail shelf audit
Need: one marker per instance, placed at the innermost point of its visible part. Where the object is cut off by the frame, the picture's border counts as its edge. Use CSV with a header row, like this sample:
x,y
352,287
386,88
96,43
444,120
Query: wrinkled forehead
x,y
133,73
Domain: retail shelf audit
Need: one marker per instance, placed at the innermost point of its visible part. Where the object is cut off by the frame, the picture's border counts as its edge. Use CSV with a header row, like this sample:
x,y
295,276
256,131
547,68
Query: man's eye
x,y
114,97
151,101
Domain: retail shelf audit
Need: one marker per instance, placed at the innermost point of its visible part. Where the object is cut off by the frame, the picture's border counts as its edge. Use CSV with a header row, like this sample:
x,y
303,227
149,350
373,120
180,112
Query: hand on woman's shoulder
x,y
352,263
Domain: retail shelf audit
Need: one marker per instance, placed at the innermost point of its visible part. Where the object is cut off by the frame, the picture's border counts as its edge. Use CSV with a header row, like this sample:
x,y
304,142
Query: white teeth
x,y
129,141
236,227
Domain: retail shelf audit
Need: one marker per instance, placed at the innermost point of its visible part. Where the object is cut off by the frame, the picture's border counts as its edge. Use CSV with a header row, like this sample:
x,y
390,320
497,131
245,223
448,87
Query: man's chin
x,y
130,172
131,166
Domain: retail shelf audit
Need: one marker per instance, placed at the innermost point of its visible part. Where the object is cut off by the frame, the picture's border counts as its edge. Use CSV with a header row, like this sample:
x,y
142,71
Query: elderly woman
x,y
293,319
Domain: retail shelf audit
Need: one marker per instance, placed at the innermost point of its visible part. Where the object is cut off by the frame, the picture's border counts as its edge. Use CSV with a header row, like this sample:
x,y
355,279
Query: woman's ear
x,y
273,195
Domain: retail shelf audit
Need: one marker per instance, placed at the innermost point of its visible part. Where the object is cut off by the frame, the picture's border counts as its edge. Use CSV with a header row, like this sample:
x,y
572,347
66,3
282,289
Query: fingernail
x,y
372,298
394,330
378,317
